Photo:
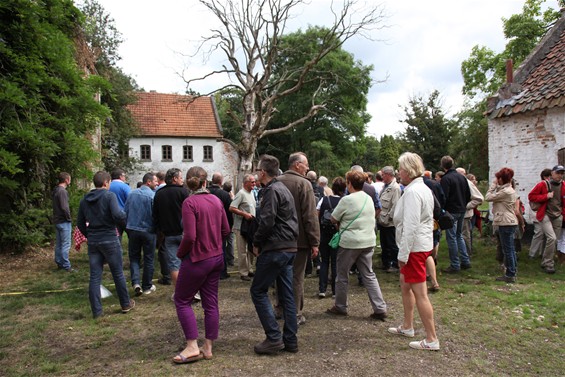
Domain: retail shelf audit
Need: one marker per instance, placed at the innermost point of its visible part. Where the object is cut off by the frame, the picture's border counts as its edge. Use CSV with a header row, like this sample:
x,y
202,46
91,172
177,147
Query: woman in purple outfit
x,y
205,225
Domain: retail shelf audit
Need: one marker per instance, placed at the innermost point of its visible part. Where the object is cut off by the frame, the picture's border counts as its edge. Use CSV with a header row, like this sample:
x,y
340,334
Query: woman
x,y
355,215
414,222
205,225
505,206
327,230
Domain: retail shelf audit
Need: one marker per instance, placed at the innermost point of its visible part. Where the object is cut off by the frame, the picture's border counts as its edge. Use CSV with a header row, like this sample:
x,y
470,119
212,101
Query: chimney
x,y
509,72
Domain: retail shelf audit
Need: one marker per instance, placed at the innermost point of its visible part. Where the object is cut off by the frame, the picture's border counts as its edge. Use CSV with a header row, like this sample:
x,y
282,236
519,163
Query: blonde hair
x,y
412,164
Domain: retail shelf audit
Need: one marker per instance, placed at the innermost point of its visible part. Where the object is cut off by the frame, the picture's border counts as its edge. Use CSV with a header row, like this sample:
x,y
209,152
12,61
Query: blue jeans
x,y
506,235
456,243
63,245
98,253
271,266
139,241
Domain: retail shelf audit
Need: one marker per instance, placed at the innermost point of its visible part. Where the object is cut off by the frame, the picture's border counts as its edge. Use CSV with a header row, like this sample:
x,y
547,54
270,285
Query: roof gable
x,y
539,81
159,114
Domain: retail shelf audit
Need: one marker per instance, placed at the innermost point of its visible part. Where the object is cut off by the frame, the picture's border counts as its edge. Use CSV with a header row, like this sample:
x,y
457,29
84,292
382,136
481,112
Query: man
x,y
309,227
243,206
120,187
550,214
160,180
379,183
388,198
275,245
476,200
457,195
323,183
62,221
141,234
538,239
318,191
100,210
167,217
165,278
216,189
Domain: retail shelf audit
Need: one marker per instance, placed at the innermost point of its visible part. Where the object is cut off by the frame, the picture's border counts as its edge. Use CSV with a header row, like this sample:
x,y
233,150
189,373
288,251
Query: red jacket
x,y
539,195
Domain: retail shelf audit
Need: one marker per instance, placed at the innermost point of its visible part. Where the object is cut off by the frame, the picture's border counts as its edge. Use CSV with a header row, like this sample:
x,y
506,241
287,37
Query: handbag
x,y
334,242
446,220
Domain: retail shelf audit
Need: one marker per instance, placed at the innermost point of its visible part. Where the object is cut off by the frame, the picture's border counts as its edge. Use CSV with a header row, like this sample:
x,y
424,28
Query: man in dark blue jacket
x,y
275,245
457,195
98,217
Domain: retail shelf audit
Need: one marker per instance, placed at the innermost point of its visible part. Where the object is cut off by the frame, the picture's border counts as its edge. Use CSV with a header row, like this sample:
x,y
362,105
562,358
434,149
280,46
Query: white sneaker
x,y
197,297
423,345
137,289
150,290
322,294
400,331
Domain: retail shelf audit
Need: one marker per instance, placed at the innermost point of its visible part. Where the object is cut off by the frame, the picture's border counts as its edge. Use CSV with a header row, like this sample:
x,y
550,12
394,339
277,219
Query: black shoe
x,y
224,276
507,279
465,266
450,270
164,281
378,316
251,274
292,348
548,270
245,278
267,347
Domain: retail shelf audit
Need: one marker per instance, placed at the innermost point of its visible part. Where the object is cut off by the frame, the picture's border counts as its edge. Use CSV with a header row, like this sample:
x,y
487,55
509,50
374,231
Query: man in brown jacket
x,y
309,228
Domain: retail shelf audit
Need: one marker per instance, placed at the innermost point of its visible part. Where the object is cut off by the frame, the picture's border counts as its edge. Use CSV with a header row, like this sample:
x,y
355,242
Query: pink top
x,y
205,225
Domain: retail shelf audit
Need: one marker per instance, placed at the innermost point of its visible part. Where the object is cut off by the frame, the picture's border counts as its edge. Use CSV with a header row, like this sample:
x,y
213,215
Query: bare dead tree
x,y
250,39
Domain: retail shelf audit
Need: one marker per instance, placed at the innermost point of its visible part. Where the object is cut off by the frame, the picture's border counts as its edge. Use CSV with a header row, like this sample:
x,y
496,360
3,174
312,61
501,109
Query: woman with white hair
x,y
413,219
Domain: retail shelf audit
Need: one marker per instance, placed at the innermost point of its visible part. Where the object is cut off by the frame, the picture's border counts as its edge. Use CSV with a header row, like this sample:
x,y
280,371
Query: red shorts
x,y
414,270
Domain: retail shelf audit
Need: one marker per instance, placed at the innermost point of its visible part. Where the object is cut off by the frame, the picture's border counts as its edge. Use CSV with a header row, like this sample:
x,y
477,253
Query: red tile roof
x,y
540,78
159,114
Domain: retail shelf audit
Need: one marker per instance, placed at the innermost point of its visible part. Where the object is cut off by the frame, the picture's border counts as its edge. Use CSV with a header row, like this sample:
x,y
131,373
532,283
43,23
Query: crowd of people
x,y
282,221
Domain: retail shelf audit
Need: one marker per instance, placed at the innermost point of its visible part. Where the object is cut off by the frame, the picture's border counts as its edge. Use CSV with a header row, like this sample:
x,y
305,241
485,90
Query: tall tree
x,y
485,70
104,39
389,151
428,131
47,109
250,37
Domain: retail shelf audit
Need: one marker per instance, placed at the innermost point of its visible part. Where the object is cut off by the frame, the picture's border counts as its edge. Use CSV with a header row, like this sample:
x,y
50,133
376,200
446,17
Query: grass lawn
x,y
486,328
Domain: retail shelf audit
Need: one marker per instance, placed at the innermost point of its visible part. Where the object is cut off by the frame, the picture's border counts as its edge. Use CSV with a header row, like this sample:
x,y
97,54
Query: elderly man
x,y
388,197
309,227
243,207
216,189
323,183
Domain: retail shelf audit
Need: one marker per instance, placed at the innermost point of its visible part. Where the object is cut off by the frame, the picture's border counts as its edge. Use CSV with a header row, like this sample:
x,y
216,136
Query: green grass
x,y
486,328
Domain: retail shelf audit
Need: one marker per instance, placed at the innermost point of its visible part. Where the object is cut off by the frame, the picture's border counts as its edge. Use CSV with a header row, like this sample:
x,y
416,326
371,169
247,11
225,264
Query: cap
x,y
558,168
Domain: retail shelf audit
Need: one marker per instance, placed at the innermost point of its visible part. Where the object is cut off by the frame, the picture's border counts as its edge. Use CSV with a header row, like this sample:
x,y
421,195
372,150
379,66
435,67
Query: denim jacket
x,y
139,210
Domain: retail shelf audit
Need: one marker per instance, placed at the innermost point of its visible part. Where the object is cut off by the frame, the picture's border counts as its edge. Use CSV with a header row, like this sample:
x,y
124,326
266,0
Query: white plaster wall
x,y
526,143
224,157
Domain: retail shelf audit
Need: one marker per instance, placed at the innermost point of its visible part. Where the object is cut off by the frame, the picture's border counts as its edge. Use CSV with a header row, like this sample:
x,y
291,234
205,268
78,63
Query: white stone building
x,y
526,125
177,131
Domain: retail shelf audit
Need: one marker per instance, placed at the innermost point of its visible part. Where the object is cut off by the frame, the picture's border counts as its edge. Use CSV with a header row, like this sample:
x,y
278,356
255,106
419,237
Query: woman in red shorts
x,y
414,222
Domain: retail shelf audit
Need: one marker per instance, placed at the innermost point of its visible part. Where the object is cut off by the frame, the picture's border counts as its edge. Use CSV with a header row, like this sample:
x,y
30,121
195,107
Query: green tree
x,y
103,40
485,70
389,151
428,131
47,110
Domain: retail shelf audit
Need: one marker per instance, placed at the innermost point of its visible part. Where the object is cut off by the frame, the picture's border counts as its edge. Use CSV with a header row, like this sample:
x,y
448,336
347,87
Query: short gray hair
x,y
388,170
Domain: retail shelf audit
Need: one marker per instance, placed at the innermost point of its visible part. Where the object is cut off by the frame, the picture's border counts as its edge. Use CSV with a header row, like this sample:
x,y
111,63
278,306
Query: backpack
x,y
326,222
535,206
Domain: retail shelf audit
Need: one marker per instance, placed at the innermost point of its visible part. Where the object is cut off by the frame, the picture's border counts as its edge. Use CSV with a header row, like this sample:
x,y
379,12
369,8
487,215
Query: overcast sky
x,y
421,50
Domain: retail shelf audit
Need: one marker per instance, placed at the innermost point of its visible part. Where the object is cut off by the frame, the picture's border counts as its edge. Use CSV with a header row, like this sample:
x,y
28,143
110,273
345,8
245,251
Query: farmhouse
x,y
179,131
526,124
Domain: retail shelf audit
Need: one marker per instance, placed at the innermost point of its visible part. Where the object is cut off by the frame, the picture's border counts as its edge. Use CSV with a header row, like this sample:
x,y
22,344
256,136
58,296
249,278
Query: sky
x,y
420,50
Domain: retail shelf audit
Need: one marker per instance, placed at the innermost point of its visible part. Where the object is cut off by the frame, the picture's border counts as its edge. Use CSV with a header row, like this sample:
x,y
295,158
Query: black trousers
x,y
389,249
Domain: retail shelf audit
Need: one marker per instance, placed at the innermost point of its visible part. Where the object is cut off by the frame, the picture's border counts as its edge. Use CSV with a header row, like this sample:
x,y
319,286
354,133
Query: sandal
x,y
434,288
186,360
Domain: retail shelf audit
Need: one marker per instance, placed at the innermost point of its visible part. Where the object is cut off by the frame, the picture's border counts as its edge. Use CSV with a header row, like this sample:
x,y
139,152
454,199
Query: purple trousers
x,y
203,276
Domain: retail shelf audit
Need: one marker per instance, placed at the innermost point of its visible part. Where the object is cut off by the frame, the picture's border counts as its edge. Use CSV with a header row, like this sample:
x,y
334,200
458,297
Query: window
x,y
167,153
208,153
145,152
187,152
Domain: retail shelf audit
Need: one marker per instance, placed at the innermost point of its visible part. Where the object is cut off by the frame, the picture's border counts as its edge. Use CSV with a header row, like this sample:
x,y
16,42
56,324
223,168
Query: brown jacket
x,y
305,202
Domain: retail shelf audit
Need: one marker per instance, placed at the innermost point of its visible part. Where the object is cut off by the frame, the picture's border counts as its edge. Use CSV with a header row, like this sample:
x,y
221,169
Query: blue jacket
x,y
139,210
